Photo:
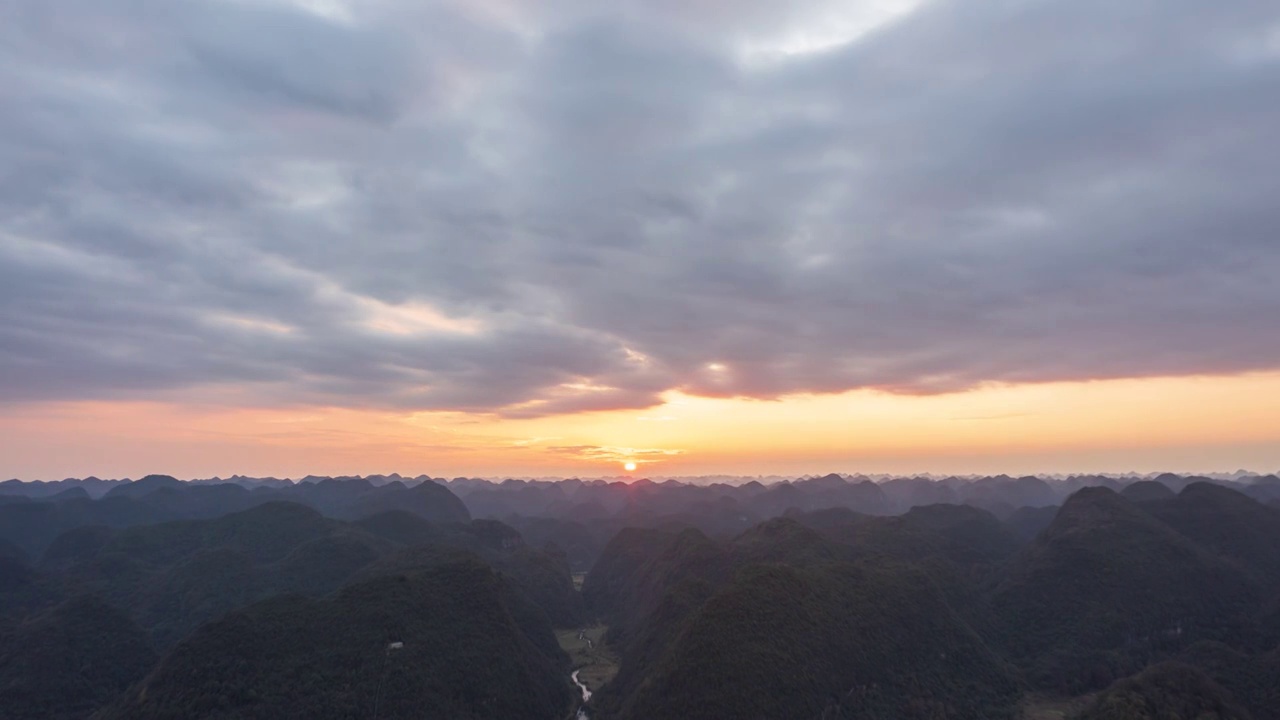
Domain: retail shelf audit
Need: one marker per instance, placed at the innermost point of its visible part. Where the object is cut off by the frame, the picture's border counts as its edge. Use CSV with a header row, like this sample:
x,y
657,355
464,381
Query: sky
x,y
499,237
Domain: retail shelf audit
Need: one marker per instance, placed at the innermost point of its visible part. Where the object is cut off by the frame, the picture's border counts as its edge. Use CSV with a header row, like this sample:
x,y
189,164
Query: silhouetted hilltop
x,y
222,564
1165,691
677,557
841,640
1229,524
37,489
1105,577
719,509
958,533
783,540
526,608
906,493
143,486
1003,492
582,541
543,576
606,586
32,525
1147,491
215,565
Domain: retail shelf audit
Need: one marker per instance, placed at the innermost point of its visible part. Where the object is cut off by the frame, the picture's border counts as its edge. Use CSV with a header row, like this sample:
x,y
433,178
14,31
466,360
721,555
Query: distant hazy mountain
x,y
157,498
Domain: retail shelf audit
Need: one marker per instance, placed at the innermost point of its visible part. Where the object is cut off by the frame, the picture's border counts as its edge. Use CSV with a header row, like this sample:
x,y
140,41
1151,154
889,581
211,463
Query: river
x,y
586,695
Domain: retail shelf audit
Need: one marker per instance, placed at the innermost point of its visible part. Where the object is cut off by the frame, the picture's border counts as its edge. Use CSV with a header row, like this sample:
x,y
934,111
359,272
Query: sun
x,y
629,466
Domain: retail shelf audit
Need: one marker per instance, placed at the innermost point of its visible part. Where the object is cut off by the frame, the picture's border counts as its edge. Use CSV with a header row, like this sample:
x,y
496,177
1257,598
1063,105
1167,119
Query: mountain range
x,y
819,597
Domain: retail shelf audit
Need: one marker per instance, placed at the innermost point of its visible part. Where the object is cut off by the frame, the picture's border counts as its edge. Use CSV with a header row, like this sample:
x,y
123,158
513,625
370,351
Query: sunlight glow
x,y
839,25
1200,424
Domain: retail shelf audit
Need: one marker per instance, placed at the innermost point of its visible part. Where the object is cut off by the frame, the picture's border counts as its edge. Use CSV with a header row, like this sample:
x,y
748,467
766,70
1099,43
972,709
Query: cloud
x,y
533,209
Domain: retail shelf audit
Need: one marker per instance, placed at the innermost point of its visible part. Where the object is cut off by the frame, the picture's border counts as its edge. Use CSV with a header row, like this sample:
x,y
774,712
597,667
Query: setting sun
x,y
629,466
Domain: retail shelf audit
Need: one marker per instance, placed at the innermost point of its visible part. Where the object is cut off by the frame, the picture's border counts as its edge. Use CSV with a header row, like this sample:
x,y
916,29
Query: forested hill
x,y
439,641
819,598
89,617
838,614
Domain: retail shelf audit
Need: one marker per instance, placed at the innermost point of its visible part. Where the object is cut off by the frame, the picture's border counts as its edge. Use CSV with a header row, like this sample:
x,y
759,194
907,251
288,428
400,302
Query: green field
x,y
1038,707
597,665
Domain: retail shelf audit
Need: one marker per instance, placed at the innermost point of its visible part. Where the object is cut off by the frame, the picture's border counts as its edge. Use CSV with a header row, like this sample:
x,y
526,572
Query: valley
x,y
594,664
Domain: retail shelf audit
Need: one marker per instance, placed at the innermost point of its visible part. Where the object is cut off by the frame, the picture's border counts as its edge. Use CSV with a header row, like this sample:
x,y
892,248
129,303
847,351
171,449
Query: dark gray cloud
x,y
533,208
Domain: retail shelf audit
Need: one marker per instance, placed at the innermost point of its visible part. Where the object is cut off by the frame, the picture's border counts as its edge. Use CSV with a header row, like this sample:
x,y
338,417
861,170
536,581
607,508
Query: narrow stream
x,y
586,695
